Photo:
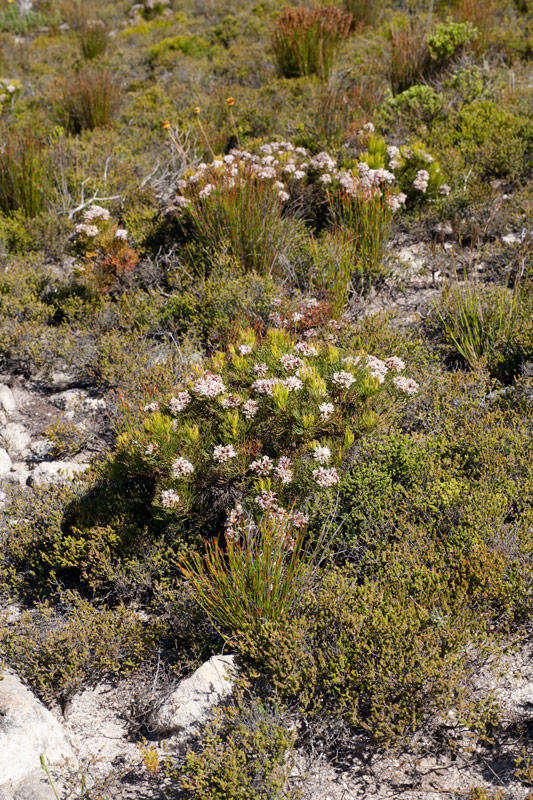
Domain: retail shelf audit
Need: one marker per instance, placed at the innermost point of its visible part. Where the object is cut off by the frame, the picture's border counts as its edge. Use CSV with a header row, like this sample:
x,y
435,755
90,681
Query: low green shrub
x,y
305,40
12,20
420,104
189,45
448,39
242,756
59,654
491,140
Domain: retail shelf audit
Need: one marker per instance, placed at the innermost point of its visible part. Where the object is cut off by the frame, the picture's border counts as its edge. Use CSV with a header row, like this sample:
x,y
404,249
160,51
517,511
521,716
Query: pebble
x,y
7,401
56,472
16,437
5,461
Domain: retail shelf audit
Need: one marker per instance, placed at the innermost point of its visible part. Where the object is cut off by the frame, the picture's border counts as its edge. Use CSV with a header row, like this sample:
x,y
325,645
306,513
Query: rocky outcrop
x,y
27,732
184,711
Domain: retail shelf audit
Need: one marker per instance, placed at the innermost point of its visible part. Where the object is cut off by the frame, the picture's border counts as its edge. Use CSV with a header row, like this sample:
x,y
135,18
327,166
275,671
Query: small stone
x,y
56,472
5,461
189,705
16,437
62,380
41,447
7,401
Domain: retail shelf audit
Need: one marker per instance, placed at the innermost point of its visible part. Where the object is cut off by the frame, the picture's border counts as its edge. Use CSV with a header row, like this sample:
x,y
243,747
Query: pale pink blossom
x,y
223,453
182,468
262,466
179,402
283,470
407,385
343,379
395,363
250,408
326,410
169,498
290,362
322,454
326,476
261,369
209,385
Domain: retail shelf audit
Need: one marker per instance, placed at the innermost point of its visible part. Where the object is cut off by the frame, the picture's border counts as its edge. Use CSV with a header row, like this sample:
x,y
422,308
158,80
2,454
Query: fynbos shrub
x,y
24,173
87,100
305,40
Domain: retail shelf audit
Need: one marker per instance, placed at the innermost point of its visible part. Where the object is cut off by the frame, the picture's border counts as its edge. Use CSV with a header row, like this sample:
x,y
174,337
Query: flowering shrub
x,y
417,173
244,198
265,426
9,90
103,246
305,40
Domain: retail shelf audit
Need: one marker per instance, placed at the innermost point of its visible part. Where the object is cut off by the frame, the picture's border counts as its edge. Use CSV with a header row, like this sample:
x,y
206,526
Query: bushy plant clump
x,y
87,99
262,428
305,40
103,247
60,654
25,180
487,326
243,755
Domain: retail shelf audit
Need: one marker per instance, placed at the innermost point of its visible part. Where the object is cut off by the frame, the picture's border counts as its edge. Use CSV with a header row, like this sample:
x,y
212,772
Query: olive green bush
x,y
242,756
60,654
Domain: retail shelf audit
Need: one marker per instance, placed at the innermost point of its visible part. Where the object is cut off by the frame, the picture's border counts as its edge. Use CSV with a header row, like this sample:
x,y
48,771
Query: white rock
x,y
189,705
41,447
16,437
56,472
19,474
27,731
7,401
5,461
67,400
62,380
34,787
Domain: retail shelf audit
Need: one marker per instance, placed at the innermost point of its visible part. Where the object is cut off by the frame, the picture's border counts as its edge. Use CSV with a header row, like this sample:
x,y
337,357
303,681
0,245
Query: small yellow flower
x,y
197,110
166,124
230,101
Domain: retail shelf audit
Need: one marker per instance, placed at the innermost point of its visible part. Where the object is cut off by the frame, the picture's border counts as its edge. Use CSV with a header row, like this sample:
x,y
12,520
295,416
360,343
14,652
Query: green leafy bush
x,y
492,140
449,37
418,104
